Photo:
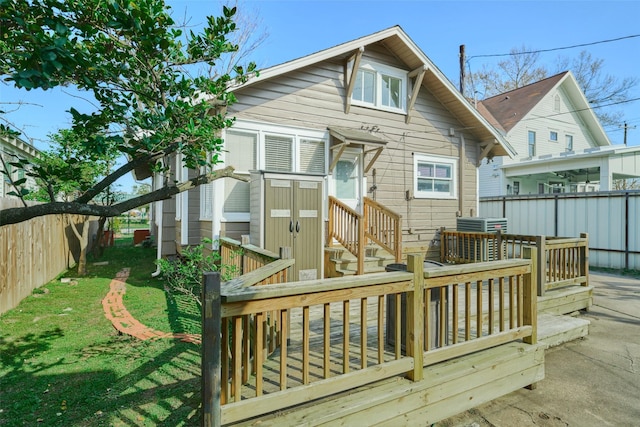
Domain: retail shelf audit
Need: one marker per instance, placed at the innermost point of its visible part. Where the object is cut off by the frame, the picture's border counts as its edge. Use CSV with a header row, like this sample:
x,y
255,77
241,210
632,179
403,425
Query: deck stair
x,y
340,262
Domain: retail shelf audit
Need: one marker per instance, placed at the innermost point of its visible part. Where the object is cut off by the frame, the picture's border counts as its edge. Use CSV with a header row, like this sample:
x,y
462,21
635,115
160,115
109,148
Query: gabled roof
x,y
397,41
510,108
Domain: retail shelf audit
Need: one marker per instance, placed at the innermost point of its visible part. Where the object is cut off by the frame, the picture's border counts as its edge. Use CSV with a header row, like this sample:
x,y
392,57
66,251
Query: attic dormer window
x,y
556,103
380,86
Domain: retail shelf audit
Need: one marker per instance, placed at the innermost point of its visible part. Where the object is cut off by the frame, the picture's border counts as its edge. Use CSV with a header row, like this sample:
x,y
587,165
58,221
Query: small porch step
x,y
340,262
554,330
566,300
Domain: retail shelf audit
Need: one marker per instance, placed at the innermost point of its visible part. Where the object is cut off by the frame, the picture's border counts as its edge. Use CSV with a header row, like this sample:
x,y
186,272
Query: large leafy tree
x,y
142,71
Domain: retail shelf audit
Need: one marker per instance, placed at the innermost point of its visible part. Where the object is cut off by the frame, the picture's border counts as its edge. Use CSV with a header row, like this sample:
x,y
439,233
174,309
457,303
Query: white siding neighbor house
x,y
560,144
13,149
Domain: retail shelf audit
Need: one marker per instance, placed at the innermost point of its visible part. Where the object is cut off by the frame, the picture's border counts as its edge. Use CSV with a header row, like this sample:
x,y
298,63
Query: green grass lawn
x,y
63,364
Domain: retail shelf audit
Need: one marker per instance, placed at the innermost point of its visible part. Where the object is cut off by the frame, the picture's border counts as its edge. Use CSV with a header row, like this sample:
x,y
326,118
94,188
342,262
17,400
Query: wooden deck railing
x,y
243,258
382,226
347,227
564,261
337,334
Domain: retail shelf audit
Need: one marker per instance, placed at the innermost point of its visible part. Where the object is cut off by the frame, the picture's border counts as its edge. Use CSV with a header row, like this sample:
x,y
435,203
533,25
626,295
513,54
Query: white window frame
x,y
452,162
178,174
568,137
261,130
530,145
380,71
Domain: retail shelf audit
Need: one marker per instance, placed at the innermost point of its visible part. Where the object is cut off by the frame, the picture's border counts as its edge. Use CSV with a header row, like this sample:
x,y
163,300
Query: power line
x,y
552,49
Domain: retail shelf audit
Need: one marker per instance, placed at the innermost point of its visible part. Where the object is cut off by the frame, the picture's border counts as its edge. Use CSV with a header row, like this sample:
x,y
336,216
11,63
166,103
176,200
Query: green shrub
x,y
184,275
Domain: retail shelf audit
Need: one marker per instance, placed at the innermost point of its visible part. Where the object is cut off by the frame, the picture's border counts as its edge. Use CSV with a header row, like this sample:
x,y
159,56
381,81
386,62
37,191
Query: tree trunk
x,y
84,242
100,243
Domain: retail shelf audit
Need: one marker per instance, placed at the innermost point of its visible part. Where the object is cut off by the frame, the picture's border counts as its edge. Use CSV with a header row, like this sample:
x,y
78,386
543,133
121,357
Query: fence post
x,y
499,244
584,258
415,316
541,266
443,243
530,299
211,350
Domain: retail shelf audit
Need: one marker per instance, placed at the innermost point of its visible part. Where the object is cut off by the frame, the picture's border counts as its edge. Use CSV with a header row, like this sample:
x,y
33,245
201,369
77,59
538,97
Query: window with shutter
x,y
242,155
278,151
206,202
312,156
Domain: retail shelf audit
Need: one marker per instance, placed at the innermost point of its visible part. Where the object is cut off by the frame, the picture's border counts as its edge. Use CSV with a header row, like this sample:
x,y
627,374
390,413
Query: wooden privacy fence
x,y
333,335
34,252
564,261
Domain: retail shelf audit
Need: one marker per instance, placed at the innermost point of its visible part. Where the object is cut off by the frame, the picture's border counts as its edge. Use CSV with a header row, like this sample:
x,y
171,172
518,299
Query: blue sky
x,y
298,28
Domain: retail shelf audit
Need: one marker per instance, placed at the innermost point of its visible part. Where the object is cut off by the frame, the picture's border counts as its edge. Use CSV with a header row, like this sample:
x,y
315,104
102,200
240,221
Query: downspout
x,y
461,176
159,215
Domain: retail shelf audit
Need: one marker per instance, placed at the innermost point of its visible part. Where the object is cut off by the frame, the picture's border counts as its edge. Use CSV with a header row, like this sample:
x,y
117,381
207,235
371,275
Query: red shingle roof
x,y
510,107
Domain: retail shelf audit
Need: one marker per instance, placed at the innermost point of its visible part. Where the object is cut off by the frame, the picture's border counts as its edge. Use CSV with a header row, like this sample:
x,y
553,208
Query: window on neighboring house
x,y
516,187
241,153
569,142
434,177
380,86
556,103
553,136
532,143
541,186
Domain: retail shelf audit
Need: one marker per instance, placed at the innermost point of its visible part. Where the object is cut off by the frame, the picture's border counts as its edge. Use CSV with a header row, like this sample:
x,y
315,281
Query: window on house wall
x,y
569,142
206,202
380,86
556,103
516,187
541,186
178,177
532,143
434,177
312,156
241,153
278,151
553,136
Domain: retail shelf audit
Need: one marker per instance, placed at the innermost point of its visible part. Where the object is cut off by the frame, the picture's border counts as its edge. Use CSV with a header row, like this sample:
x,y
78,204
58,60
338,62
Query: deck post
x,y
541,273
530,298
415,316
211,350
584,258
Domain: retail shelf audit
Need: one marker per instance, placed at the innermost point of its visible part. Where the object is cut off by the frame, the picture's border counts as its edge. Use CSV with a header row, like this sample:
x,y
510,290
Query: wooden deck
x,y
294,350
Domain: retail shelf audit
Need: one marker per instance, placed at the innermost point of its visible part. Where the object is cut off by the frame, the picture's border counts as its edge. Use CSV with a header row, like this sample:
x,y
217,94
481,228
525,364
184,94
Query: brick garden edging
x,y
123,321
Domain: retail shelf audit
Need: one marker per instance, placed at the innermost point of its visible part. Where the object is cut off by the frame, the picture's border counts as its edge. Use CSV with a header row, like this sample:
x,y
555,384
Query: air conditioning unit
x,y
480,249
482,225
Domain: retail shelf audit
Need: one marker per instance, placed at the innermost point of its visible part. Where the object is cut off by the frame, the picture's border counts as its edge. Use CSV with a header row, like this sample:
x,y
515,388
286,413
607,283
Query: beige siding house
x,y
371,122
561,146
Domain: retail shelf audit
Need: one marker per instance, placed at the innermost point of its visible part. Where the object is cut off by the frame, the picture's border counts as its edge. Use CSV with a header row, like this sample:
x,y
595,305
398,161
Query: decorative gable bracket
x,y
418,73
350,77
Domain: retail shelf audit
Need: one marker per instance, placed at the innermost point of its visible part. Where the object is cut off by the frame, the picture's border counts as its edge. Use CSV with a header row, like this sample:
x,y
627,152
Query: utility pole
x,y
462,75
626,127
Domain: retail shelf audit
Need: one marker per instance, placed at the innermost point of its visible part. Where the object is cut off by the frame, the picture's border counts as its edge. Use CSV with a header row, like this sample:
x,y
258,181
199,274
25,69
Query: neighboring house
x,y
13,149
370,119
561,146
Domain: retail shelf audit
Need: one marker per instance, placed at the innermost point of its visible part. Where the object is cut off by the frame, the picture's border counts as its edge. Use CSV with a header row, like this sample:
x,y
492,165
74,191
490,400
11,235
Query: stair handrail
x,y
347,227
382,226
